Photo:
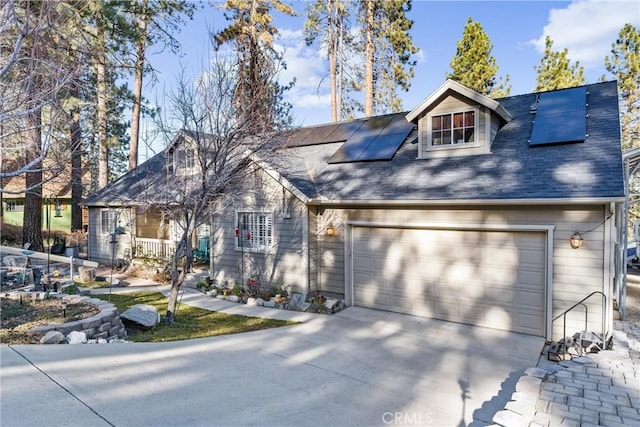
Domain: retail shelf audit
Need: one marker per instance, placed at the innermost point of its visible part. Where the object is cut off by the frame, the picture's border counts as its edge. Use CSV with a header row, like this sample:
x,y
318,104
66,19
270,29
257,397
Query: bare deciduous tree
x,y
218,139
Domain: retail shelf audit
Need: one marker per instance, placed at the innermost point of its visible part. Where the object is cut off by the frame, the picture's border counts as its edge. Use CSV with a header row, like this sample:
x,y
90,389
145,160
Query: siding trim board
x,y
547,230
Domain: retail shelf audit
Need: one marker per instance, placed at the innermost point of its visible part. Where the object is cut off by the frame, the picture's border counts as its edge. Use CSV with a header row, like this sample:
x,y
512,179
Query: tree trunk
x,y
137,89
32,217
101,77
368,59
177,276
76,165
333,51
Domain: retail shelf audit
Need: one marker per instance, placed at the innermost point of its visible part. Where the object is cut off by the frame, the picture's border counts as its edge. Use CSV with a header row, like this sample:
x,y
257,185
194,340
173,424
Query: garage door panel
x,y
500,296
530,299
488,278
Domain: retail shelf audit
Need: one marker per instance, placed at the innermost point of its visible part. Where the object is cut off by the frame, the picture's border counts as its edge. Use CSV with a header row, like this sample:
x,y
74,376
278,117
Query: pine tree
x,y
624,64
556,70
252,32
473,66
152,22
328,20
387,48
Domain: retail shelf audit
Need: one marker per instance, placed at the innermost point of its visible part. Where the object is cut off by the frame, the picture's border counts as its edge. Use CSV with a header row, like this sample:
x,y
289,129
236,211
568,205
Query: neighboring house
x,y
56,197
461,209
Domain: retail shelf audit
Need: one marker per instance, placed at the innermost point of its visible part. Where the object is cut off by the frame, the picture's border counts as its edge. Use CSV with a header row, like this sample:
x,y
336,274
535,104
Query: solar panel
x,y
351,150
344,131
561,117
375,125
383,147
378,138
319,135
296,137
398,124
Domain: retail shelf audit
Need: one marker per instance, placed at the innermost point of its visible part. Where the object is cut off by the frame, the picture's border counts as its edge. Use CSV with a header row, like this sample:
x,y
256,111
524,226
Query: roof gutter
x,y
484,202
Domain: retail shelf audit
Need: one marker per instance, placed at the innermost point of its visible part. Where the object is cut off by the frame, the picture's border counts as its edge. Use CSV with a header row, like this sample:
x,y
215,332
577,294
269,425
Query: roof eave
x,y
485,202
464,91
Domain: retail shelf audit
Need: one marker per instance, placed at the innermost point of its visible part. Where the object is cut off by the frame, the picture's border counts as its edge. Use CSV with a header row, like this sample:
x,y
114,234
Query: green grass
x,y
191,322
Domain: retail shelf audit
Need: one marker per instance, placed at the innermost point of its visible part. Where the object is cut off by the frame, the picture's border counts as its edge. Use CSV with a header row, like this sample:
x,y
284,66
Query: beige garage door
x,y
487,278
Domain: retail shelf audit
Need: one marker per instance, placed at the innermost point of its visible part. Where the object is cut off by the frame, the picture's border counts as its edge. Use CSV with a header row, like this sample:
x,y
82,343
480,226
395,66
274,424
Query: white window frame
x,y
184,161
453,145
14,206
254,231
111,217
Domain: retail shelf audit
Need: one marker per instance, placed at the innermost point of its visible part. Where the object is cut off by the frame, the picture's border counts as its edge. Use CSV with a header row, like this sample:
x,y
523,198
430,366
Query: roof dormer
x,y
181,155
456,121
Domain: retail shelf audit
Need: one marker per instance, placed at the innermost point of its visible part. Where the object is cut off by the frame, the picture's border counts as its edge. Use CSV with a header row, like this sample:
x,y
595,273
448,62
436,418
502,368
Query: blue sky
x,y
516,28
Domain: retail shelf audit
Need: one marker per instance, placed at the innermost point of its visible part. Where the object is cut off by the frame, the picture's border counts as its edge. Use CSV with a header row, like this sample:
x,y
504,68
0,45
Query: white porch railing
x,y
154,248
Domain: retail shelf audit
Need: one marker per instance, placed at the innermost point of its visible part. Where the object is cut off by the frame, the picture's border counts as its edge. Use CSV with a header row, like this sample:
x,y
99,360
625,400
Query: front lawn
x,y
191,322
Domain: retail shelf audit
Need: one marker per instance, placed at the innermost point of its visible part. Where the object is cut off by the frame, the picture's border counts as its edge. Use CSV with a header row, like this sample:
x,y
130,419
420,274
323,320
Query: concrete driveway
x,y
358,367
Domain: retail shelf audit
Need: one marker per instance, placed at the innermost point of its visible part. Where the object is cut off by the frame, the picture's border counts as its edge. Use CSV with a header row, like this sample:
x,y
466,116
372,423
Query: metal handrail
x,y
586,315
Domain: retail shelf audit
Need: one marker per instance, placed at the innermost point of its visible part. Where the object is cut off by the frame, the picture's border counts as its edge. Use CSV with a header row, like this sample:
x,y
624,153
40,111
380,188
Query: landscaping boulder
x,y
76,337
87,274
52,337
141,315
298,303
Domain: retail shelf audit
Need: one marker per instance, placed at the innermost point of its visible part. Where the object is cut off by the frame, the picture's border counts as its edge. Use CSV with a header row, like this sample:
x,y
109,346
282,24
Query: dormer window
x,y
453,128
185,161
456,121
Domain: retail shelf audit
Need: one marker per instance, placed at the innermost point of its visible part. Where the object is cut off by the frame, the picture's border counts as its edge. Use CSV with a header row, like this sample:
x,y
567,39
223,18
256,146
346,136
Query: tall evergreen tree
x,y
252,32
624,64
387,48
153,22
328,20
556,70
109,36
473,65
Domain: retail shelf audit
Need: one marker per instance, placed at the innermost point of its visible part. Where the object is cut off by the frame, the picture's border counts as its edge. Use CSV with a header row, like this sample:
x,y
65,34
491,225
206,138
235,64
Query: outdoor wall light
x,y
576,240
330,231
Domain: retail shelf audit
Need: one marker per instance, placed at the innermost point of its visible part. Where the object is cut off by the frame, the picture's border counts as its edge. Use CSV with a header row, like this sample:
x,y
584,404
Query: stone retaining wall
x,y
104,325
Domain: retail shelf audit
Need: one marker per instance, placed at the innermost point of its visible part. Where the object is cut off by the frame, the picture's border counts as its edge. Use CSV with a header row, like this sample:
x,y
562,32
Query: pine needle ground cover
x,y
191,322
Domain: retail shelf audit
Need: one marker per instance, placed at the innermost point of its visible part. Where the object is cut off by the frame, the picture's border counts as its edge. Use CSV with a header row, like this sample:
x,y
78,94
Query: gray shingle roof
x,y
513,170
141,183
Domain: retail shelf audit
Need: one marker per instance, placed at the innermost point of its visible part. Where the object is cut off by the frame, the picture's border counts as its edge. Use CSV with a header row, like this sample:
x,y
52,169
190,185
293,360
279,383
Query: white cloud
x,y
307,65
587,28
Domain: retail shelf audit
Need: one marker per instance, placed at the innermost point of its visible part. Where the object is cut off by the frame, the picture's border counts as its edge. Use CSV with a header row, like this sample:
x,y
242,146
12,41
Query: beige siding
x,y
327,269
314,249
286,262
576,273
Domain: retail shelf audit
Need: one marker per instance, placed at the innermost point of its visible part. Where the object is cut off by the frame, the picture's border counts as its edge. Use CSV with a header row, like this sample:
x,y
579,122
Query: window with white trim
x,y
453,128
254,231
15,205
184,161
108,220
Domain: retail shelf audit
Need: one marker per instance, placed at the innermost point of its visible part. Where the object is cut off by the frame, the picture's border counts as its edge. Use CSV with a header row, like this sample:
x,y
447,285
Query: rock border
x,y
105,325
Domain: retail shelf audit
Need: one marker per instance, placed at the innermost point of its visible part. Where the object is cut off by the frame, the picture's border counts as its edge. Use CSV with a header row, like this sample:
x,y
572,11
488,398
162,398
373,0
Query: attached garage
x,y
492,278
